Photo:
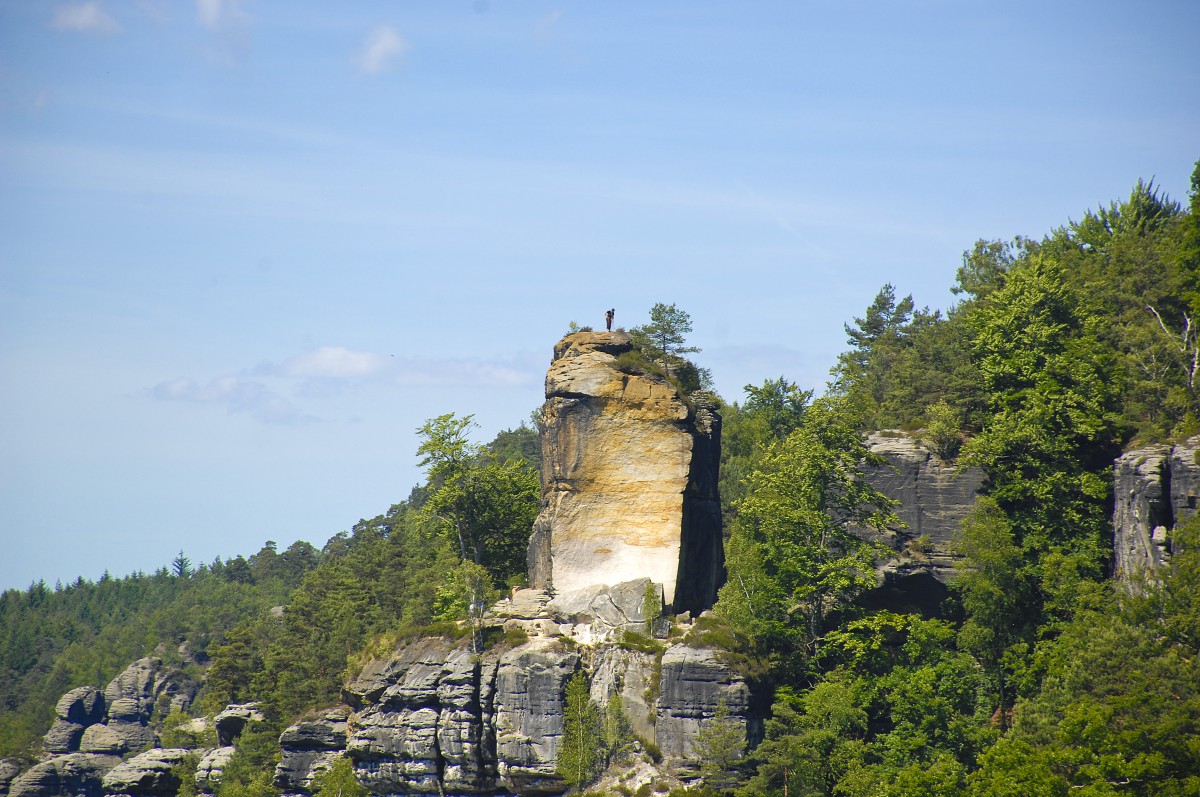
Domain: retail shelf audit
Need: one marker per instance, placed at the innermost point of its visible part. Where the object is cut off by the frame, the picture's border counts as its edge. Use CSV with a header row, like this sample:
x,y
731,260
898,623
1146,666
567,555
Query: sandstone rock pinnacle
x,y
629,479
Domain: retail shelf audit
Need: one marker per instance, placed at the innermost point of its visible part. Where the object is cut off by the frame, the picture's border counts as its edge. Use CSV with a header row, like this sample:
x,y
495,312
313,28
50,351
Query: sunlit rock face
x,y
629,479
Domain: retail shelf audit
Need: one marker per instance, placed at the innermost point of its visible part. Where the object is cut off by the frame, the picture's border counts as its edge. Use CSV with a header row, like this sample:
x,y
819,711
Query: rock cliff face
x,y
934,498
629,479
435,718
1155,488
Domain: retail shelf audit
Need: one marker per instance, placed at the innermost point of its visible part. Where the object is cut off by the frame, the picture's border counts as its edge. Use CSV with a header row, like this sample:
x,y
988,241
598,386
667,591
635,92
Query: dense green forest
x,y
1036,676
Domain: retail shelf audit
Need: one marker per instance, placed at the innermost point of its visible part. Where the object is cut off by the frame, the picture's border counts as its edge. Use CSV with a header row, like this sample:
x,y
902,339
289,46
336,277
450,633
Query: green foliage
x,y
250,771
1118,707
88,632
177,731
664,338
485,504
943,431
721,746
339,781
579,757
184,773
793,555
1053,429
616,729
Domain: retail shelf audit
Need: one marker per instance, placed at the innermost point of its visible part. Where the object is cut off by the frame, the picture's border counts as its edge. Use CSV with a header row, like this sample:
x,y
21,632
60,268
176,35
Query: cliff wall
x,y
1155,489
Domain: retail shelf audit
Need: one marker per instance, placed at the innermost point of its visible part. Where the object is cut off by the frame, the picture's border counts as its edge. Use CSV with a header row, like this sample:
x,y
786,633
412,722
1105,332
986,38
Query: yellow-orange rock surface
x,y
629,475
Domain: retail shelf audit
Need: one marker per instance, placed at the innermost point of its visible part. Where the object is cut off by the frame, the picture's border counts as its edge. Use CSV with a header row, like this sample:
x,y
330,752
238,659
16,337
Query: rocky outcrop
x,y
74,774
1155,488
149,773
82,706
310,748
629,479
211,768
528,711
75,712
694,685
142,696
436,718
233,719
934,497
9,769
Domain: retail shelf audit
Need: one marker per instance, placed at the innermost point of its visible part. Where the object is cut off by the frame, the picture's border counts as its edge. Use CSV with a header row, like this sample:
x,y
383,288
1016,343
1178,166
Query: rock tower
x,y
629,479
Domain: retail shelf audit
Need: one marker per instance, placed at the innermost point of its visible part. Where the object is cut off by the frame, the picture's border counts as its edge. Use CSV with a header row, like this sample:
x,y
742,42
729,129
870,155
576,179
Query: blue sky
x,y
247,248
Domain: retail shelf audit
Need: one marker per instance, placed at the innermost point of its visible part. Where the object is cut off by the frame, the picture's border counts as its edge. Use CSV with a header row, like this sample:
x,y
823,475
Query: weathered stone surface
x,y
233,719
211,768
82,706
143,694
530,683
1155,488
1185,479
600,612
430,729
102,739
9,769
628,479
310,747
627,674
693,684
1142,512
150,772
63,737
74,774
934,498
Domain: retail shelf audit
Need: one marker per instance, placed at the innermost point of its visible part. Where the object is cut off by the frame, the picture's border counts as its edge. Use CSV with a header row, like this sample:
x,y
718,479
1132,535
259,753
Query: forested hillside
x,y
1037,675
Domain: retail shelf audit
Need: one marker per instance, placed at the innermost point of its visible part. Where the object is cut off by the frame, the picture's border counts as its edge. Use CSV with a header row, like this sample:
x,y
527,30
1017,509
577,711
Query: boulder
x,y
600,612
233,719
143,694
82,706
211,768
9,769
102,739
629,479
79,774
150,772
63,737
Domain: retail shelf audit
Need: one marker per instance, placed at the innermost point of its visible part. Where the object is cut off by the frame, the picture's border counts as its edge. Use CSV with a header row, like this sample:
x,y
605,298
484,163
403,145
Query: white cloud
x,y
382,48
236,395
84,17
334,362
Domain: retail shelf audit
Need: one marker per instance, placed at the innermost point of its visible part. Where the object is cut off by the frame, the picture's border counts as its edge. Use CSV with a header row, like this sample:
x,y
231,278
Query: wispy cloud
x,y
334,362
237,395
326,372
382,48
85,18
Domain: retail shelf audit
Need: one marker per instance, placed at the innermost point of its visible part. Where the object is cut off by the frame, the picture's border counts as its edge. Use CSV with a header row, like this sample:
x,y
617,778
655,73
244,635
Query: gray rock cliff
x,y
1154,489
933,496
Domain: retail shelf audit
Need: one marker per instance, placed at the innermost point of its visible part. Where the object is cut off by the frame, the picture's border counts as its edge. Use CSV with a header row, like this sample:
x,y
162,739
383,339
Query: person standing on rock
x,y
608,317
